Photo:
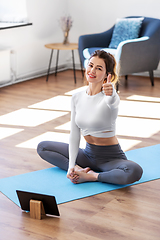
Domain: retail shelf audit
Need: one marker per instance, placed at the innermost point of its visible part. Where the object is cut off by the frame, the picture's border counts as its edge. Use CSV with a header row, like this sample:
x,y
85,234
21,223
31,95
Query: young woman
x,y
94,113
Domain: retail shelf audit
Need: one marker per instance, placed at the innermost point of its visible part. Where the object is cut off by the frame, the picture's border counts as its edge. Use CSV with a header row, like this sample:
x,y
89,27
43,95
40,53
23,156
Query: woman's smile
x,y
91,75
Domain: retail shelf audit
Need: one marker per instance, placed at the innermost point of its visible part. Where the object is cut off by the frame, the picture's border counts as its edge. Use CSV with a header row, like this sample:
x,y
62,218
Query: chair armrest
x,y
127,45
137,55
94,40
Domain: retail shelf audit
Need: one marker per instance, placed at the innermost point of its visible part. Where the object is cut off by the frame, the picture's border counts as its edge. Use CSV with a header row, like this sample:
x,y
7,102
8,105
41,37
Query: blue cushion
x,y
125,29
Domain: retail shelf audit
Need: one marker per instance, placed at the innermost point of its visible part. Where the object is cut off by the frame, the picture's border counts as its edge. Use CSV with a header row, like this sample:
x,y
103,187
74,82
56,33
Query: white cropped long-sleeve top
x,y
93,115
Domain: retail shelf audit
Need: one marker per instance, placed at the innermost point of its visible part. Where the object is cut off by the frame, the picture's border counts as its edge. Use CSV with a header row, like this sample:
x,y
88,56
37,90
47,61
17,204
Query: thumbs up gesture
x,y
107,87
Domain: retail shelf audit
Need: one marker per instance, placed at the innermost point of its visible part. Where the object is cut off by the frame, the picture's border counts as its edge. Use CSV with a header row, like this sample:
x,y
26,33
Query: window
x,y
13,13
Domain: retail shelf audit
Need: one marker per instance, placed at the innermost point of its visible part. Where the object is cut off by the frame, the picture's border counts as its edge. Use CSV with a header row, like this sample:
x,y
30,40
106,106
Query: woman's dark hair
x,y
110,63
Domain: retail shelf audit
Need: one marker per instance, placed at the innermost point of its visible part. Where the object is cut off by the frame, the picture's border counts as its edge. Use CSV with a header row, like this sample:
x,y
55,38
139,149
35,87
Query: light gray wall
x,y
89,16
98,15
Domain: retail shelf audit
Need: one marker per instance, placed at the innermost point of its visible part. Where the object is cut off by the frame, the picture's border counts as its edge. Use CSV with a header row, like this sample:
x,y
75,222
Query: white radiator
x,y
5,66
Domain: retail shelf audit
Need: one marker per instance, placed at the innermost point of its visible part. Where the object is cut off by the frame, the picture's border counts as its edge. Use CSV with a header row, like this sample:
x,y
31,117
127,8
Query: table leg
x,y
81,65
49,65
57,62
73,66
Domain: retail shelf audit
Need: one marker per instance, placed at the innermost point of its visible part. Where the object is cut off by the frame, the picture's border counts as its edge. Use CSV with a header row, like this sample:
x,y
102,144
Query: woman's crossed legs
x,y
119,171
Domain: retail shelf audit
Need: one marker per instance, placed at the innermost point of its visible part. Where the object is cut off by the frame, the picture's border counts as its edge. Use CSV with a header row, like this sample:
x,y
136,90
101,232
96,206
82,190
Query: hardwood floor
x,y
132,213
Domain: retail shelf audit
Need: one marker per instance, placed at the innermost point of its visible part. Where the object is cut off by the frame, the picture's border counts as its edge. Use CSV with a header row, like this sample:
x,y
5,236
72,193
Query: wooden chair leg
x,y
151,77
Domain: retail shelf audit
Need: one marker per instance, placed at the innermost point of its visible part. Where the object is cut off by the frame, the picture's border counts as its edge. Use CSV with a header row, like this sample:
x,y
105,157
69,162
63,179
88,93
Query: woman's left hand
x,y
107,87
72,175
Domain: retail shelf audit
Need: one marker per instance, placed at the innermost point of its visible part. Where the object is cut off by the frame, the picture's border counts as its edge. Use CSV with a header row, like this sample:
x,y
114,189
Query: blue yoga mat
x,y
53,181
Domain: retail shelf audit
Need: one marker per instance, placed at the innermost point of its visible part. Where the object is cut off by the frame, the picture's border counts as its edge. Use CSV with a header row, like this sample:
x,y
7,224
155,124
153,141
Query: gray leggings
x,y
109,161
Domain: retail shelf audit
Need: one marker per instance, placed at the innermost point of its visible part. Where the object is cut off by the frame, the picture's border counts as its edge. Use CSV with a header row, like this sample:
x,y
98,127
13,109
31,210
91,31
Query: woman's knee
x,y
41,147
135,173
138,171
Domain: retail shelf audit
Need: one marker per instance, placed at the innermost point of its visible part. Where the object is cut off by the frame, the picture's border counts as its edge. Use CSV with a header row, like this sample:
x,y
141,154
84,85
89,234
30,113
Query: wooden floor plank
x,y
130,213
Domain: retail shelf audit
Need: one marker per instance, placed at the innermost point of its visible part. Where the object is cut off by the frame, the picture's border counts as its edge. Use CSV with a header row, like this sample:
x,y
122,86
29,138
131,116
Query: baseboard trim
x,y
37,74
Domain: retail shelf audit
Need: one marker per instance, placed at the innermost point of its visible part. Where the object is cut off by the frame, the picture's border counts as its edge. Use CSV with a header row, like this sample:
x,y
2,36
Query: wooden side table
x,y
58,47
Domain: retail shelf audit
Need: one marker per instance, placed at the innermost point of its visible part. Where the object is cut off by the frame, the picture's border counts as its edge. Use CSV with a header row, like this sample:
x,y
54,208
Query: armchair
x,y
133,56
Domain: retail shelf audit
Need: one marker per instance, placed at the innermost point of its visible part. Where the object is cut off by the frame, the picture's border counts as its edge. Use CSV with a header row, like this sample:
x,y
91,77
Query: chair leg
x,y
49,65
151,77
117,86
74,71
57,62
126,80
126,77
81,66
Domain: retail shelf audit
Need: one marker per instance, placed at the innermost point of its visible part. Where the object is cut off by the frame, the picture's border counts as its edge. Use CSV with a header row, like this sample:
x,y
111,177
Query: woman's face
x,y
96,70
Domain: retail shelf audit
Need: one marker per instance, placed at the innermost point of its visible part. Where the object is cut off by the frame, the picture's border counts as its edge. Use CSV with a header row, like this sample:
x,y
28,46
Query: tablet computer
x,y
49,202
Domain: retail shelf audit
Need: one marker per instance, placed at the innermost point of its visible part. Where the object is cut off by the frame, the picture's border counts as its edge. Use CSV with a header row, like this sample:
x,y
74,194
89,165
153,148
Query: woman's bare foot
x,y
89,176
74,177
78,168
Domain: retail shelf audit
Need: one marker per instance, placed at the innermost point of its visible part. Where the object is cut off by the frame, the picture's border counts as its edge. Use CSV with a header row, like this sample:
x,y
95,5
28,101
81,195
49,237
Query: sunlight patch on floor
x,y
129,127
139,109
7,132
137,127
49,136
143,98
65,126
76,90
61,103
29,117
136,120
64,137
127,144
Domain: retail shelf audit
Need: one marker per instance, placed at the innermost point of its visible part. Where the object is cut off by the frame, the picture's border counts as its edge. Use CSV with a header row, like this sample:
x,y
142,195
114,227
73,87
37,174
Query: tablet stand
x,y
37,204
36,209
